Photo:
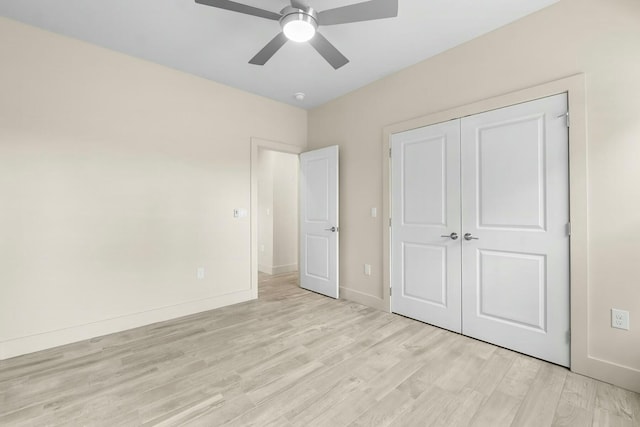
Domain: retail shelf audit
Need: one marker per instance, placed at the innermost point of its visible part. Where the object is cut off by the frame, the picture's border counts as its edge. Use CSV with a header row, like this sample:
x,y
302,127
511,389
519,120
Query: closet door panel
x,y
515,197
425,211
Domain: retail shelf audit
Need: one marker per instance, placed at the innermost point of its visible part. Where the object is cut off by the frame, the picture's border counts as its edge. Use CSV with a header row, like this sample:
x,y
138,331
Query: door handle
x,y
452,236
469,236
332,229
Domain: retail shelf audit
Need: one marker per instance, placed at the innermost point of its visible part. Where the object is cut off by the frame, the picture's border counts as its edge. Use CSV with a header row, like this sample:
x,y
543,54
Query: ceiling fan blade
x,y
300,4
242,8
328,51
269,50
365,11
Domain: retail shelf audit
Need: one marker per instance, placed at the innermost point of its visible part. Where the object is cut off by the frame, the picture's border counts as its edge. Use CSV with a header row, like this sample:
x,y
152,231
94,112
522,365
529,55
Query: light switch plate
x,y
240,213
367,269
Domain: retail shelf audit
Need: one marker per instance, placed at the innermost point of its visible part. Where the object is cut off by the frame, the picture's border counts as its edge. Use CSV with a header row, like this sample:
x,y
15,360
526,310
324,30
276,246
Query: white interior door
x,y
515,196
319,228
501,181
425,219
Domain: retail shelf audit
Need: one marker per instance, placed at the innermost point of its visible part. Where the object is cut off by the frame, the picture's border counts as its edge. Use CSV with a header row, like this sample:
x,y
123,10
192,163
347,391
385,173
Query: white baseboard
x,y
612,373
267,269
362,298
29,344
277,269
281,269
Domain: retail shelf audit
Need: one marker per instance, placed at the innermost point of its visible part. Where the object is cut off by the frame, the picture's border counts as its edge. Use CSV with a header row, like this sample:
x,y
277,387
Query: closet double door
x,y
480,227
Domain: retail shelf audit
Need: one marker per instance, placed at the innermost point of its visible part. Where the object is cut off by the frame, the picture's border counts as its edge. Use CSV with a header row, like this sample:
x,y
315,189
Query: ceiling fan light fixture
x,y
299,26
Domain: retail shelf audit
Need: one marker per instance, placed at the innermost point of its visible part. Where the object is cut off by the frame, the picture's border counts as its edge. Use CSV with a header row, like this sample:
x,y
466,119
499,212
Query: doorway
x,y
307,217
277,212
479,236
259,145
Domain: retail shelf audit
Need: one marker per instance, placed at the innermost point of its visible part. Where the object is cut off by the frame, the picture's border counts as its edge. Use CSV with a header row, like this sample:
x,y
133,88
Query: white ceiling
x,y
217,44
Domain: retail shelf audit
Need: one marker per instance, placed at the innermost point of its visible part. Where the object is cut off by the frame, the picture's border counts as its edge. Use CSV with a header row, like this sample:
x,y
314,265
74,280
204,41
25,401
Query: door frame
x,y
258,144
574,86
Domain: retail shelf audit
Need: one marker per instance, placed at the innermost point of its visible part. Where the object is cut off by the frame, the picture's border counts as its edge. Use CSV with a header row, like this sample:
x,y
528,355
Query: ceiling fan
x,y
300,22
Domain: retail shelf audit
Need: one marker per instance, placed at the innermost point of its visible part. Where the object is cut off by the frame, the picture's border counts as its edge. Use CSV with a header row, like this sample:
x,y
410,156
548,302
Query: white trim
x,y
277,269
266,269
362,298
287,268
620,375
29,344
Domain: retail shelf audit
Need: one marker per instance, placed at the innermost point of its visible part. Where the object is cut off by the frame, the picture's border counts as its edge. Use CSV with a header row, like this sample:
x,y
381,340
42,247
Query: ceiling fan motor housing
x,y
297,24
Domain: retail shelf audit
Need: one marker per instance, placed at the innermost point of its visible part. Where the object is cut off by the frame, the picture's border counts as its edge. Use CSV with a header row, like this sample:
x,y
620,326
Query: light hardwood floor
x,y
294,358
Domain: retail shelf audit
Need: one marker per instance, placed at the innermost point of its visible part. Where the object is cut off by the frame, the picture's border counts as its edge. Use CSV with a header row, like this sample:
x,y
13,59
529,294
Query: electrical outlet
x,y
367,269
374,212
619,319
200,273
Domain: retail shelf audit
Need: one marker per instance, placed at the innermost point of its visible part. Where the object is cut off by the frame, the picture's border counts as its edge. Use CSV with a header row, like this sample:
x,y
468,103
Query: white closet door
x,y
515,195
425,211
319,228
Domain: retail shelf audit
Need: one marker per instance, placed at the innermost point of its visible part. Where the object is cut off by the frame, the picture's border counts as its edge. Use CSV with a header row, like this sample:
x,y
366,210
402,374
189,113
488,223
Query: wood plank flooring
x,y
294,358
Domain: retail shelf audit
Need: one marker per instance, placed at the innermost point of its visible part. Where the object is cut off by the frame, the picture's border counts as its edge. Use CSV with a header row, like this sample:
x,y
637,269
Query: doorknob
x,y
452,236
468,236
332,229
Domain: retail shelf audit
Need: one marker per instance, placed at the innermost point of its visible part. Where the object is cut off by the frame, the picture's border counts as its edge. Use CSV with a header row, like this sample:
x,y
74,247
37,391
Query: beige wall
x,y
285,213
118,179
597,37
